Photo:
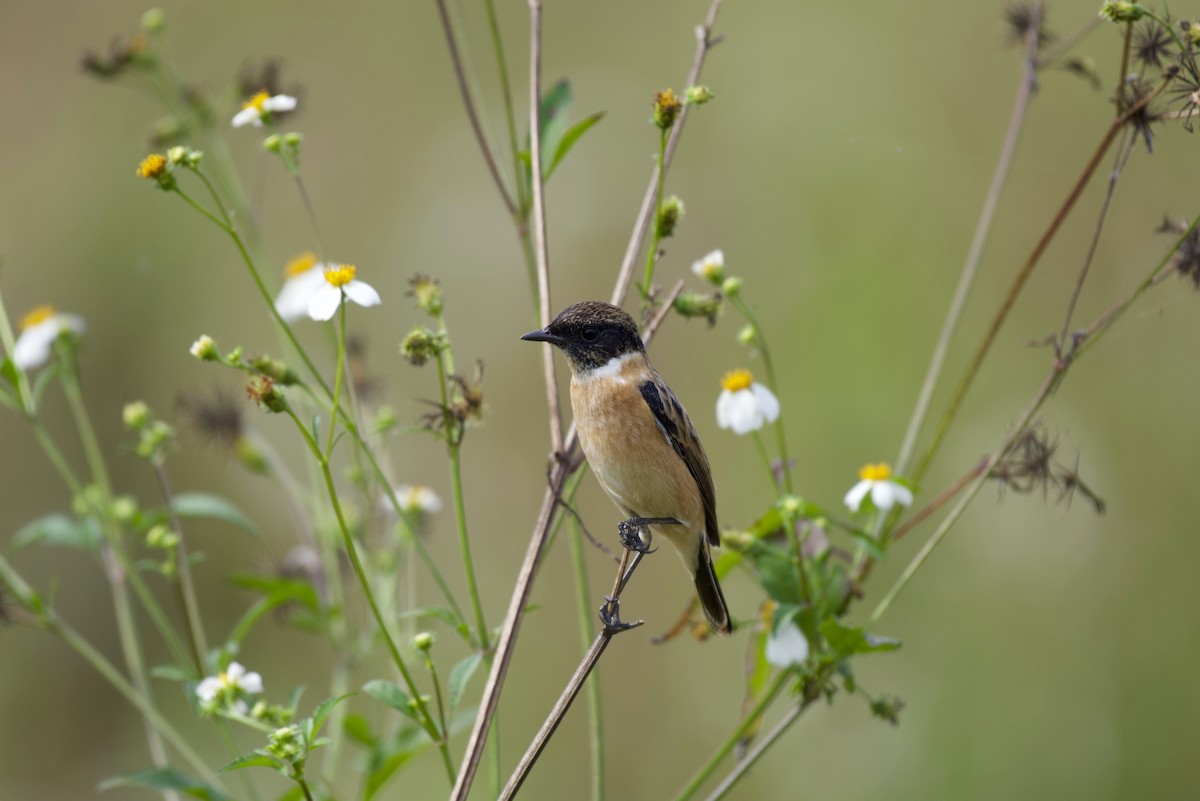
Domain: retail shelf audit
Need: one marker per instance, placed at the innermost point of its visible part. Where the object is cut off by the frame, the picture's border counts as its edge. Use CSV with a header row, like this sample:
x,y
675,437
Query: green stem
x,y
710,767
337,381
9,342
766,459
453,430
772,383
425,717
583,595
185,585
652,254
87,433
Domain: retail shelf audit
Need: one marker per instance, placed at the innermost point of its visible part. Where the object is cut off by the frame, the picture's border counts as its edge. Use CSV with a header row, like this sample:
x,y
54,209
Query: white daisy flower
x,y
875,479
787,646
39,329
416,498
259,108
303,276
340,283
227,686
711,268
745,405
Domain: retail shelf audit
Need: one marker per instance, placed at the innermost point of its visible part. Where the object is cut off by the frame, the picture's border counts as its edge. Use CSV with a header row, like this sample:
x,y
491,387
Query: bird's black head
x,y
591,334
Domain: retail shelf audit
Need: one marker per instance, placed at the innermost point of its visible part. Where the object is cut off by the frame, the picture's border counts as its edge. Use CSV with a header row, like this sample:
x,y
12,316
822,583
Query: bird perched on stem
x,y
639,442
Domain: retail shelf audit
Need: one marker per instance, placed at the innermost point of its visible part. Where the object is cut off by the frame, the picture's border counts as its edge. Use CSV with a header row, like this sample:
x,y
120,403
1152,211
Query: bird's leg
x,y
629,531
610,610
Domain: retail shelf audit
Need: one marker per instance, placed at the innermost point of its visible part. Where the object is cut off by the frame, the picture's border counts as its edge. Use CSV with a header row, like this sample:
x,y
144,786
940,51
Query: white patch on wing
x,y
611,369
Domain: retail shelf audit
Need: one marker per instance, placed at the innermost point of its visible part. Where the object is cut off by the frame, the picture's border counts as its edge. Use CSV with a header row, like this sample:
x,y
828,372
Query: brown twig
x,y
472,114
539,219
704,43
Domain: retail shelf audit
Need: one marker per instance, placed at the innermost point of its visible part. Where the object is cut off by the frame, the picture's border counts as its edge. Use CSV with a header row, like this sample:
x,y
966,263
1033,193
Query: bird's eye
x,y
591,334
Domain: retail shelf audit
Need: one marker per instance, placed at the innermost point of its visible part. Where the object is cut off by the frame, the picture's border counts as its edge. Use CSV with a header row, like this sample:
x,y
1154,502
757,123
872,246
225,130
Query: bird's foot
x,y
610,616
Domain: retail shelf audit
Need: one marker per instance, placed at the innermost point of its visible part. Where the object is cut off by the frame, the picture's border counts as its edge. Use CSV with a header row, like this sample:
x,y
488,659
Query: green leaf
x,y
358,729
387,768
252,760
294,794
166,779
58,529
392,695
42,381
321,713
202,505
554,107
439,612
777,572
848,640
460,676
174,673
279,591
569,138
8,369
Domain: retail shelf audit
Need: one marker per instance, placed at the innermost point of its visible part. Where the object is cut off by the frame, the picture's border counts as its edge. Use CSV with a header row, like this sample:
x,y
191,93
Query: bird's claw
x,y
629,532
610,616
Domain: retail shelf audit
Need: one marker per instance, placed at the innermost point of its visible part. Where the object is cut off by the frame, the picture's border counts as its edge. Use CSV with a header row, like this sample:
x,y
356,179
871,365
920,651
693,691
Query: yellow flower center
x,y
36,317
737,380
256,102
341,275
875,472
152,166
300,265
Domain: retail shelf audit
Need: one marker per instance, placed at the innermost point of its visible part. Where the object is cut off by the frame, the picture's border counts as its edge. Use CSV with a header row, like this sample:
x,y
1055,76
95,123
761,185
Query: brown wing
x,y
674,424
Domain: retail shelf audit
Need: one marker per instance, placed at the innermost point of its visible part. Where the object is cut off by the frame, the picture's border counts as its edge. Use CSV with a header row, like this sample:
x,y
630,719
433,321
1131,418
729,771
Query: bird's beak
x,y
541,335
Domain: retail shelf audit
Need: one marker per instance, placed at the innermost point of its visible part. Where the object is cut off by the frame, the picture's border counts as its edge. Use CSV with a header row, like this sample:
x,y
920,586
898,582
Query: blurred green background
x,y
1049,652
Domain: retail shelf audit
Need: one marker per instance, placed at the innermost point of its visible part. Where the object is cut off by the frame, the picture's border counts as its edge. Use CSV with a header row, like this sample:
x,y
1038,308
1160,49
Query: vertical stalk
x,y
583,596
652,253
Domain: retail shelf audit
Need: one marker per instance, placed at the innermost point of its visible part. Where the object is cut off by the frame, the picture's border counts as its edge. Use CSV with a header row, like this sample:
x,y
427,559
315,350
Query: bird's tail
x,y
712,600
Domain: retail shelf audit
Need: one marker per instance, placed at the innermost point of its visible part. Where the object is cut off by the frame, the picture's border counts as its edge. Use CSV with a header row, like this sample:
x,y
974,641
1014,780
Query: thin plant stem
x,y
983,228
480,137
773,381
338,375
308,796
748,761
586,616
539,220
710,767
655,233
184,584
1123,154
766,459
454,450
1119,94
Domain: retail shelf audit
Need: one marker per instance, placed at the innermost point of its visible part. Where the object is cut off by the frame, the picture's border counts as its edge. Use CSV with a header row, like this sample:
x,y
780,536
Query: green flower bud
x,y
748,335
672,211
277,370
156,535
205,349
421,345
154,20
135,415
1121,11
428,294
262,390
423,641
124,508
273,143
697,95
666,109
731,286
695,304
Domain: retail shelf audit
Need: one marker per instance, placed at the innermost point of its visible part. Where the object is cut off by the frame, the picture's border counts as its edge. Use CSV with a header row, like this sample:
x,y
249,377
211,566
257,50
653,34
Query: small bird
x,y
639,441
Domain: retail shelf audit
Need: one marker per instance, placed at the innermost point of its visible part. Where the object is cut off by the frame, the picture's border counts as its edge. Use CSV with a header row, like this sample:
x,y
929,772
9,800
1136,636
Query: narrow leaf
x,y
59,530
569,138
166,779
202,505
460,676
321,713
252,760
391,695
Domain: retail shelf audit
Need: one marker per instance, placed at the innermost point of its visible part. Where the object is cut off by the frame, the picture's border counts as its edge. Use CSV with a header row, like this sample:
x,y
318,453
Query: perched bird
x,y
639,440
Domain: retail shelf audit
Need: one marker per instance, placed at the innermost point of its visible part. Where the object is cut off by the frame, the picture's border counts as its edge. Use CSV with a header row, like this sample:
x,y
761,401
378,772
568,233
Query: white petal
x,y
744,414
854,497
768,404
32,348
207,690
279,103
882,495
362,293
723,412
297,291
428,500
247,116
717,257
324,302
901,494
251,683
787,647
234,673
241,707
